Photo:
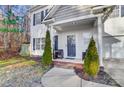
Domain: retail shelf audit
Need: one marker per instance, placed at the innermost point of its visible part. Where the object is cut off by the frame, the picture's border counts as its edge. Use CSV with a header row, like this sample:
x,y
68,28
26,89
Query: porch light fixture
x,y
74,23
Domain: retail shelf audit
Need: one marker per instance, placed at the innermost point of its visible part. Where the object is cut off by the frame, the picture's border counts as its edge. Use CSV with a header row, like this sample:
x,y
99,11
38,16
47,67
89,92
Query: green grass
x,y
16,60
1,50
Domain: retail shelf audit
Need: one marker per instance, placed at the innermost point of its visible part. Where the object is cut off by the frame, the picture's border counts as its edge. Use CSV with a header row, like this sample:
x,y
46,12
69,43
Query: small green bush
x,y
47,55
91,61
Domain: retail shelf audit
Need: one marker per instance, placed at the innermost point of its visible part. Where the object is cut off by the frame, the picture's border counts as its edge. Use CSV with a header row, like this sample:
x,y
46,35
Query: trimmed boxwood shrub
x,y
91,60
47,55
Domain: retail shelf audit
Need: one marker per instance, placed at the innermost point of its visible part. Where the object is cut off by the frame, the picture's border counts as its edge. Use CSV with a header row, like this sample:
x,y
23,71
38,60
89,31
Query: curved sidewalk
x,y
60,77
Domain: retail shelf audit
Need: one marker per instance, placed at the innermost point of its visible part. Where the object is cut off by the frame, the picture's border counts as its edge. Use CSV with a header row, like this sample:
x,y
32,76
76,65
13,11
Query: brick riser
x,y
68,65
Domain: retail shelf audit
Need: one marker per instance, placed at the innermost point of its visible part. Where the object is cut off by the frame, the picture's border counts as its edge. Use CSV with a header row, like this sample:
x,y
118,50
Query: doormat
x,y
70,58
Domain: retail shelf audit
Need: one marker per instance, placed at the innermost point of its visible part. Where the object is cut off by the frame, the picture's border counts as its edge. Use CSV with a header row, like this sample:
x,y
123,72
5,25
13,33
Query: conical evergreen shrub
x,y
91,61
47,55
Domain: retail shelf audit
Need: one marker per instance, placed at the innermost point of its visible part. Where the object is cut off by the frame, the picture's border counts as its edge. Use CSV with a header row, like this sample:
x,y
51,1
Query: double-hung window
x,y
38,17
38,43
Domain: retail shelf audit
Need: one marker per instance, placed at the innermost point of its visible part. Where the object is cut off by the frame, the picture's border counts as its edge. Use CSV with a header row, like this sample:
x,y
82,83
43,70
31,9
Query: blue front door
x,y
71,46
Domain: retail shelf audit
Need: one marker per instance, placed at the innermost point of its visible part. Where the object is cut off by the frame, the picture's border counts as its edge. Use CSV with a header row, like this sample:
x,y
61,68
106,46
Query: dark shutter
x,y
42,15
56,42
33,43
122,10
46,12
34,20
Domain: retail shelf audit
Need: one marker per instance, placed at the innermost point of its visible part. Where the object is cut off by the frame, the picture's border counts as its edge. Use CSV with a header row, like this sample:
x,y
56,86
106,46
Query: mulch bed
x,y
36,58
102,77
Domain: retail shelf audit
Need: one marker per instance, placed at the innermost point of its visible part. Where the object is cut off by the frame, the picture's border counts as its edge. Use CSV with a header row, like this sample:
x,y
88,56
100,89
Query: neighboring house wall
x,y
38,30
115,27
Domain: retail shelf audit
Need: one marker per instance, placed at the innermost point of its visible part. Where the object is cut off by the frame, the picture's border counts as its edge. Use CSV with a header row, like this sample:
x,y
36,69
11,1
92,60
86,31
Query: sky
x,y
18,10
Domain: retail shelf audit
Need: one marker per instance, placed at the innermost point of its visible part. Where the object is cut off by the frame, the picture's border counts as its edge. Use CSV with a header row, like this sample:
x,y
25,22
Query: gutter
x,y
48,21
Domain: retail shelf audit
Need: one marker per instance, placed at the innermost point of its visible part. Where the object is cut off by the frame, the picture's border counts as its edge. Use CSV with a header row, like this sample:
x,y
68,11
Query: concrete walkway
x,y
59,77
116,70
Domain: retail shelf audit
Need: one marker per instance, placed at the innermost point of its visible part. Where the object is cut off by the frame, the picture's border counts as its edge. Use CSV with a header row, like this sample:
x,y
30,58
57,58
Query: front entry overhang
x,y
74,23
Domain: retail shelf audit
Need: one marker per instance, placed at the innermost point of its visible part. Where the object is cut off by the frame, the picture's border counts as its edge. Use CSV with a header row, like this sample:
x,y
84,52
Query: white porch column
x,y
100,30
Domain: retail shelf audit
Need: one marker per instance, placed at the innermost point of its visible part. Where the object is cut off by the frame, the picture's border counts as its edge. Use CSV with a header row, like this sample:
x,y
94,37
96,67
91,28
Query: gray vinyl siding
x,y
71,11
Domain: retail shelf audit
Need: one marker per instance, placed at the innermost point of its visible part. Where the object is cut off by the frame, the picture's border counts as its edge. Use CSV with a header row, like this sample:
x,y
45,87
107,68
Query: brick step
x,y
68,65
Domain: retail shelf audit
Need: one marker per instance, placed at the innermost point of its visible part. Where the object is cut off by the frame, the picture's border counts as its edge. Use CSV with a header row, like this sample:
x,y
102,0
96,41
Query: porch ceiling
x,y
75,24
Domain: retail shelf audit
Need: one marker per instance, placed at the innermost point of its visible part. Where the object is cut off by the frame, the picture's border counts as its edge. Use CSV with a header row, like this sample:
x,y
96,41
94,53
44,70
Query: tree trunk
x,y
5,41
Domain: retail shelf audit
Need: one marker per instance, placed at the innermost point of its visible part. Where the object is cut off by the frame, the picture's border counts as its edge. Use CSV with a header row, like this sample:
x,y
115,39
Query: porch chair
x,y
58,54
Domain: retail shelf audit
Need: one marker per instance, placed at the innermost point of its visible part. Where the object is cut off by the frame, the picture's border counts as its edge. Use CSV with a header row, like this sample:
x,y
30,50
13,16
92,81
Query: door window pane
x,y
71,46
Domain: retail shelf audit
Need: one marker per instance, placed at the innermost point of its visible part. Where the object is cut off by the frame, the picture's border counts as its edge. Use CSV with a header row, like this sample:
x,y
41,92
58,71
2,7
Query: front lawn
x,y
20,72
16,60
